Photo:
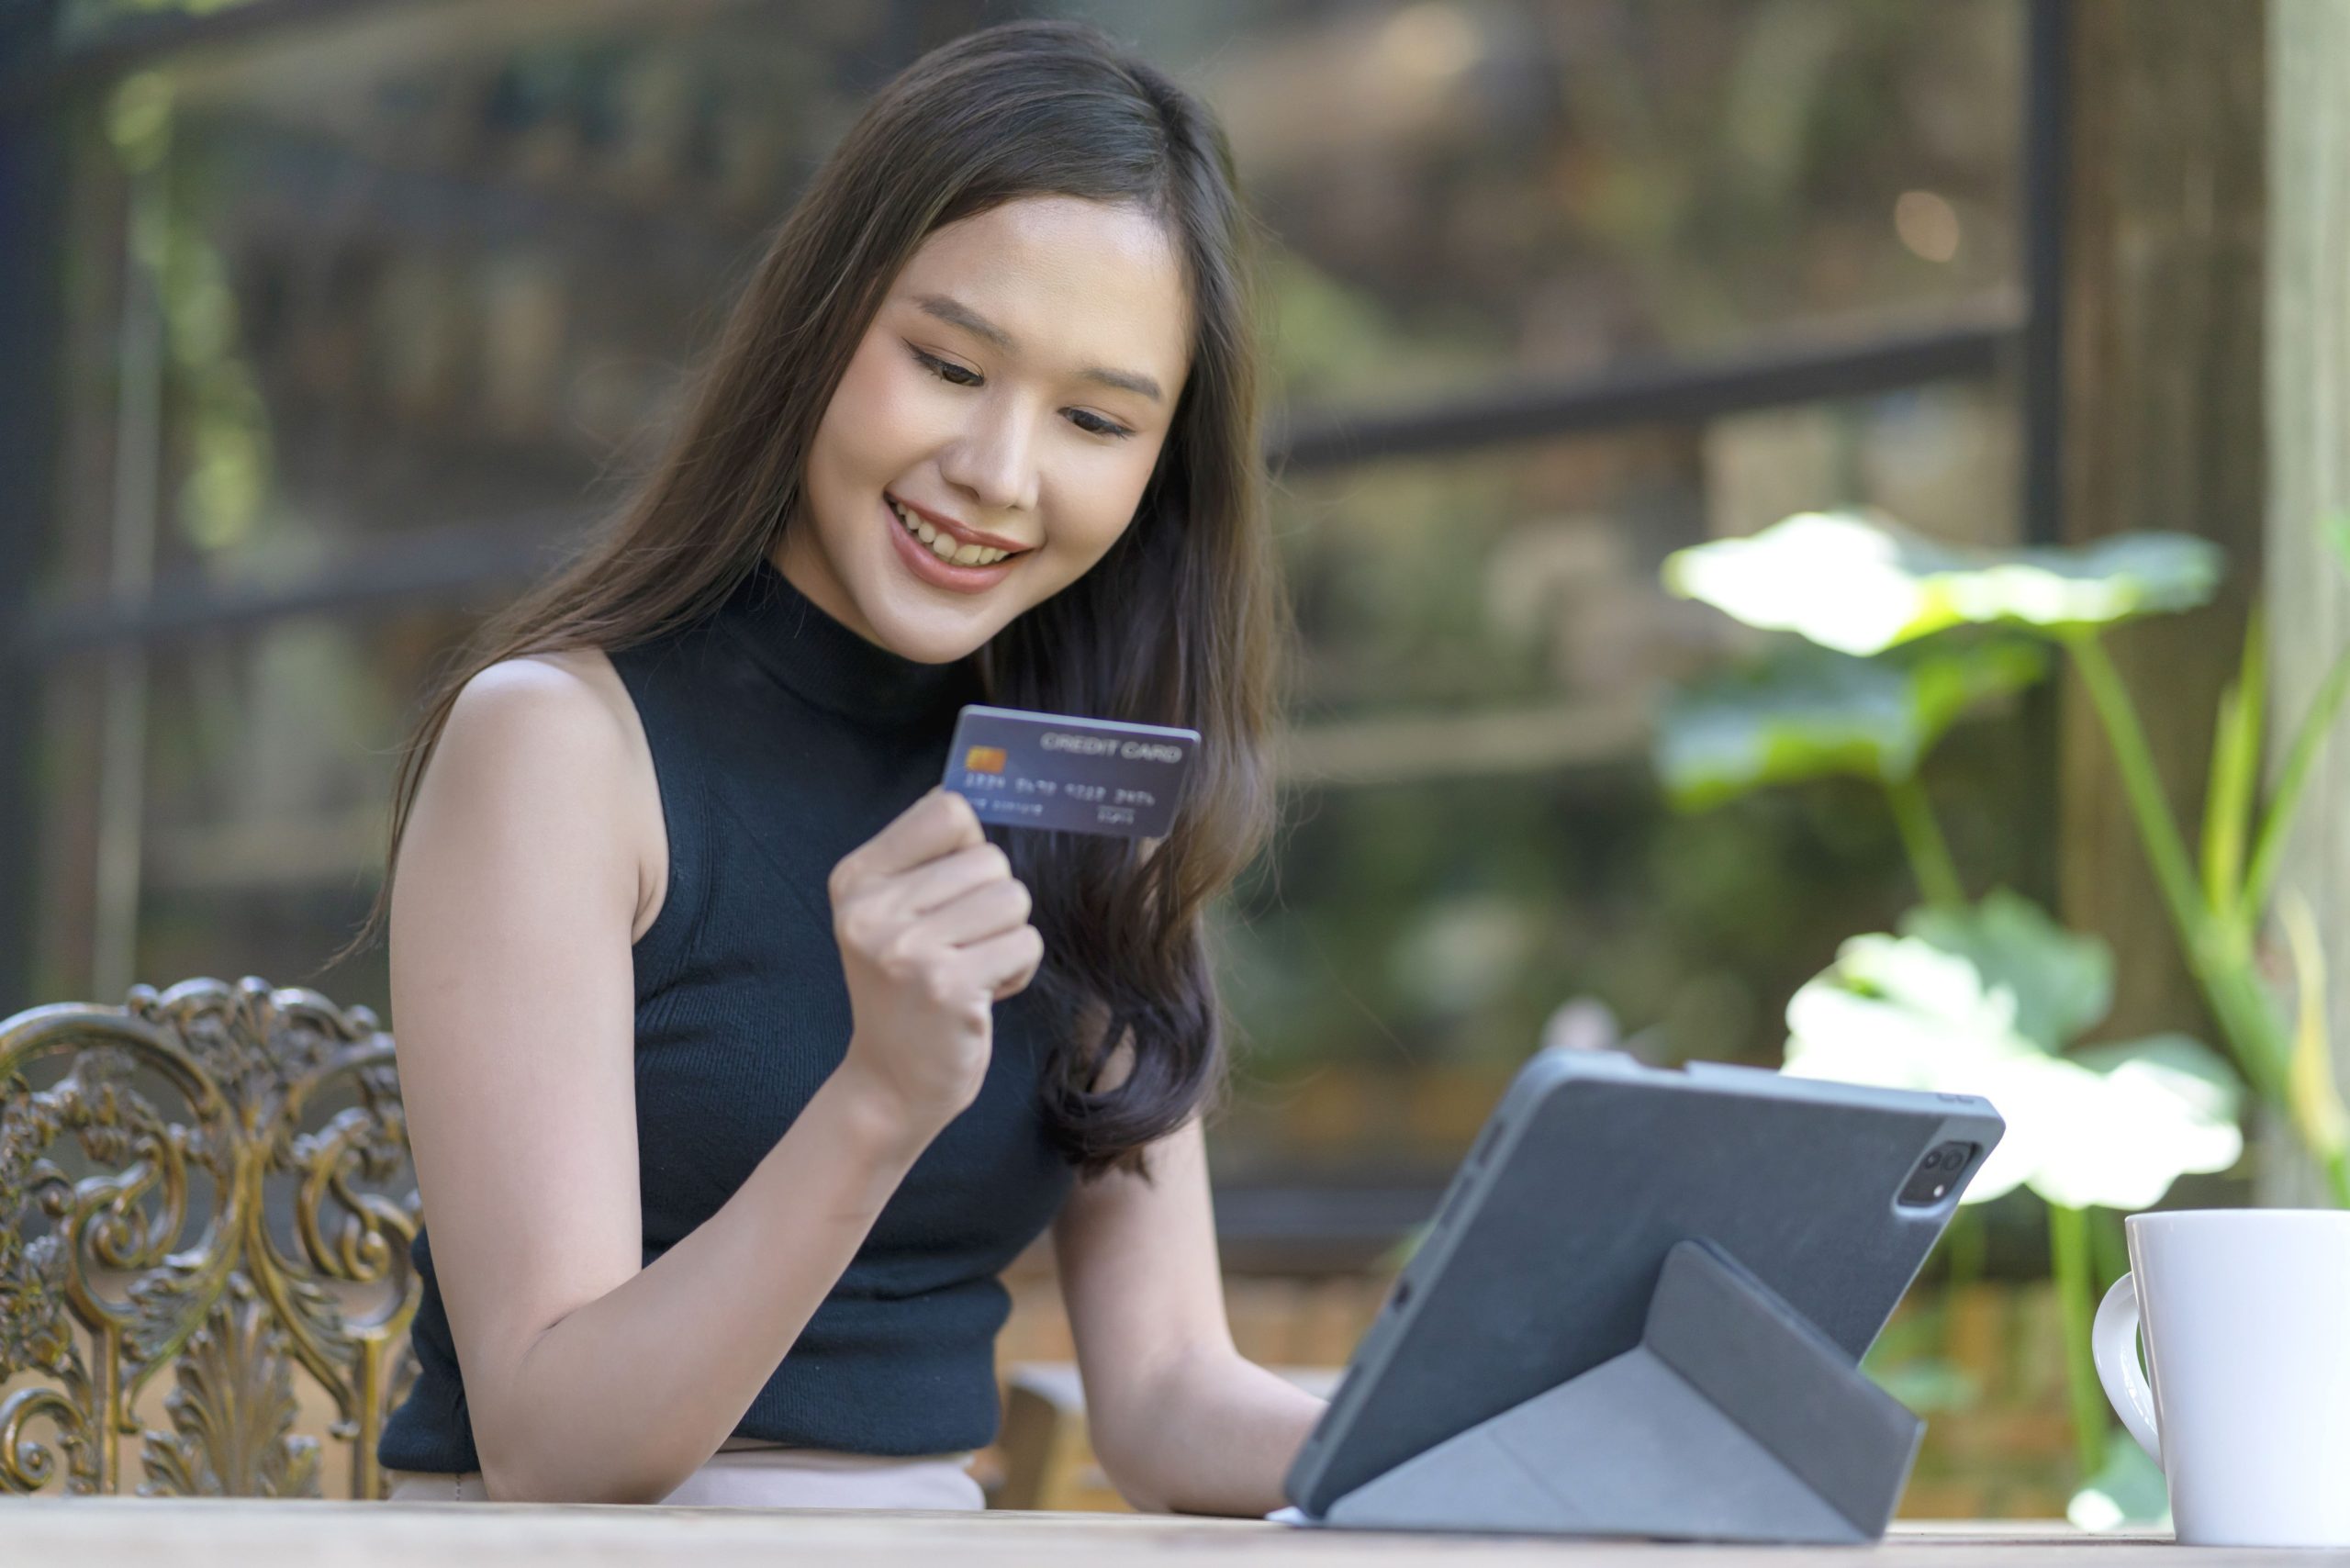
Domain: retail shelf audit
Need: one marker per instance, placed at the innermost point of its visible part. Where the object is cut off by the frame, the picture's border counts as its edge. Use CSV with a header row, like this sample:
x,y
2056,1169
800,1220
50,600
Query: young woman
x,y
739,1060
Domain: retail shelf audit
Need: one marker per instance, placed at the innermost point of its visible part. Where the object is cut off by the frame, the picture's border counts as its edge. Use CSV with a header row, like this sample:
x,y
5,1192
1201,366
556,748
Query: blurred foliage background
x,y
418,286
371,305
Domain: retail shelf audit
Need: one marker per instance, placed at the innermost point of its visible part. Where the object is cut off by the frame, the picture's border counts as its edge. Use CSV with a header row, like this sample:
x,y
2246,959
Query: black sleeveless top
x,y
782,740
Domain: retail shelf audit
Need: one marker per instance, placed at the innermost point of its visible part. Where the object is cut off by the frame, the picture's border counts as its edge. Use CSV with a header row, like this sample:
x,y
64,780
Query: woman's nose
x,y
994,460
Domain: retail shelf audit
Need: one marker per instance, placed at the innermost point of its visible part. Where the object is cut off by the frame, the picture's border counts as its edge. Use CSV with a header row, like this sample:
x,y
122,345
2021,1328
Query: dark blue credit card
x,y
1026,769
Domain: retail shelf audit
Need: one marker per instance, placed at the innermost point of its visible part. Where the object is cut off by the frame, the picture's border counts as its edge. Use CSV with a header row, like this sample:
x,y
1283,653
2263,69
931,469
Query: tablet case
x,y
1665,1385
1733,1419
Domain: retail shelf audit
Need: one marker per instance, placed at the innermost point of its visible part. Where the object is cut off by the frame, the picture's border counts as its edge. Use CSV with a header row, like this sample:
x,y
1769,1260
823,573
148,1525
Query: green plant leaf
x,y
2189,1068
1857,582
1807,713
2235,771
2110,1126
2300,759
2150,1112
2062,980
1902,1013
2312,1097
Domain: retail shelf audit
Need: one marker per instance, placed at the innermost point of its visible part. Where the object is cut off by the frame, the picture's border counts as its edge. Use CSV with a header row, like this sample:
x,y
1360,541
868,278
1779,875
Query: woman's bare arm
x,y
1179,1419
588,1377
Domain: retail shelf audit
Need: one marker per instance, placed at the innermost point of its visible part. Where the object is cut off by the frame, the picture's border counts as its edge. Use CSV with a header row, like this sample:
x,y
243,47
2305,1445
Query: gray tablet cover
x,y
1545,1255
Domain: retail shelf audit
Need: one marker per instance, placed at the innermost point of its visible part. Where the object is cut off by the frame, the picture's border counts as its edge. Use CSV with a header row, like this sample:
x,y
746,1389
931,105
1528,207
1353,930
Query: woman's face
x,y
1013,393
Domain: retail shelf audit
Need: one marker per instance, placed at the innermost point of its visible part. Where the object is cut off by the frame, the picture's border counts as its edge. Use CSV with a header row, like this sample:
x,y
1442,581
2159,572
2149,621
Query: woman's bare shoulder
x,y
566,714
574,687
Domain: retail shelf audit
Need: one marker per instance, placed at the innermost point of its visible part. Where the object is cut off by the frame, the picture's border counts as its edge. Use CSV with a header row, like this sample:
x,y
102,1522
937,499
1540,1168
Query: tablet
x,y
1540,1260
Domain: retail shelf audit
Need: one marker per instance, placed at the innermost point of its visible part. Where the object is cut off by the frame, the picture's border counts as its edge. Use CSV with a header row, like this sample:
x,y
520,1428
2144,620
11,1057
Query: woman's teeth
x,y
942,544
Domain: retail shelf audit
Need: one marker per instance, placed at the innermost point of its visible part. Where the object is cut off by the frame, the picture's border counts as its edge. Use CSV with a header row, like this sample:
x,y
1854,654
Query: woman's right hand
x,y
933,931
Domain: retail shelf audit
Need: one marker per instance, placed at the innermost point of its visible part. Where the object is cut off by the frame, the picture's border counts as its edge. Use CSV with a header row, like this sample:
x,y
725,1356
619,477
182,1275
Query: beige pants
x,y
768,1478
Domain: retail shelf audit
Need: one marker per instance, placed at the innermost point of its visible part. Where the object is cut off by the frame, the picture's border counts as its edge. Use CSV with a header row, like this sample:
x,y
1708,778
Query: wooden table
x,y
108,1532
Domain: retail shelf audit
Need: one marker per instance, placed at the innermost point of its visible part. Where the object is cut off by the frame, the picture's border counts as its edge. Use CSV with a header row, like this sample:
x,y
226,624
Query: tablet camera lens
x,y
1937,1174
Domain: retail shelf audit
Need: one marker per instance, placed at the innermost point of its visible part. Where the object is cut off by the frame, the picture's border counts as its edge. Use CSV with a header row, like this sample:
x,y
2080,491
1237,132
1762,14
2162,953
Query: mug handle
x,y
2113,1345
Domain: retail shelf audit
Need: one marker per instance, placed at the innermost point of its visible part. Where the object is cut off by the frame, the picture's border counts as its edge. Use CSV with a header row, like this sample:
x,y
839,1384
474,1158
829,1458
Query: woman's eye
x,y
953,375
958,376
1098,425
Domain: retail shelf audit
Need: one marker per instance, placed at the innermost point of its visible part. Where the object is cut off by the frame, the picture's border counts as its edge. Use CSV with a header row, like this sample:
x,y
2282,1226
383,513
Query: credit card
x,y
1026,769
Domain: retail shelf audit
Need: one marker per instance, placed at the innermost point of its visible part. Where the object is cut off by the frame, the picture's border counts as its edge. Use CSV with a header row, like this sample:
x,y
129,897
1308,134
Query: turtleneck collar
x,y
797,642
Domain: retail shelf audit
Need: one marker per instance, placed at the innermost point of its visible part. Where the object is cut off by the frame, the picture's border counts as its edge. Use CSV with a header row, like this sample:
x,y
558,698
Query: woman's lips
x,y
924,562
961,532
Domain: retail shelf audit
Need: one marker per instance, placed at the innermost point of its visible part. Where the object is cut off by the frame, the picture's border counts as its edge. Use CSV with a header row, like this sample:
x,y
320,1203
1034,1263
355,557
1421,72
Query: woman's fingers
x,y
1005,963
984,912
939,824
948,877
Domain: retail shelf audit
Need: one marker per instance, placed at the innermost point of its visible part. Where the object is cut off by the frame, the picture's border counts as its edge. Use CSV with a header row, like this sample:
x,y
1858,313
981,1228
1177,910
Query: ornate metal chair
x,y
213,1179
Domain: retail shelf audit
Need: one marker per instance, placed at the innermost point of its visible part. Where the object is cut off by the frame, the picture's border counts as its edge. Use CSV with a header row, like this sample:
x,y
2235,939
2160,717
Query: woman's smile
x,y
923,558
1012,390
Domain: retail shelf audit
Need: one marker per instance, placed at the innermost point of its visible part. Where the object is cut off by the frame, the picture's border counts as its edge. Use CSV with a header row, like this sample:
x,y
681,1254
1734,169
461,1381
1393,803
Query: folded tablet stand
x,y
1733,1419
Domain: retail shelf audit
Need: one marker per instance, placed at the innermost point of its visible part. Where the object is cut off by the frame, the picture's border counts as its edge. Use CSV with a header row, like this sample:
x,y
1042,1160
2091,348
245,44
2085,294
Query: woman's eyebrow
x,y
954,313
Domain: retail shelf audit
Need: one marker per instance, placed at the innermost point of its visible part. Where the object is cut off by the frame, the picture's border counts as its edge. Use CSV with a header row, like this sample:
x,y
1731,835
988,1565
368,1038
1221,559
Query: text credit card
x,y
1029,769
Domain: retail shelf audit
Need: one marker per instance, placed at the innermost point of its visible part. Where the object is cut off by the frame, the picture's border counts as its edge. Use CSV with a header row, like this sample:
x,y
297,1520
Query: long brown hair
x,y
1180,623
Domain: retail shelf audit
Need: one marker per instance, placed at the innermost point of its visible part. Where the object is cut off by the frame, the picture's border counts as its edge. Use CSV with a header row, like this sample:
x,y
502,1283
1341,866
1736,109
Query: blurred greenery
x,y
91,15
1806,712
1987,999
223,424
448,267
448,270
2127,1490
1860,584
1905,1361
1986,1002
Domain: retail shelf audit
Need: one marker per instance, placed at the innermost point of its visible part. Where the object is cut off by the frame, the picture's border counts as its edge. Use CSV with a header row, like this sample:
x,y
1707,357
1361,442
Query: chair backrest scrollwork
x,y
115,1267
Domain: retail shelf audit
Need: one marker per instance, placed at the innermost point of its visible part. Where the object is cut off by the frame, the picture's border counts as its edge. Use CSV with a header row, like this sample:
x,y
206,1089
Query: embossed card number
x,y
1054,770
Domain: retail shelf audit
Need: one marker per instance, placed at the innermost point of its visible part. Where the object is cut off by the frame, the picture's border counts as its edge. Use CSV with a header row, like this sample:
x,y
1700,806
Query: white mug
x,y
2246,1319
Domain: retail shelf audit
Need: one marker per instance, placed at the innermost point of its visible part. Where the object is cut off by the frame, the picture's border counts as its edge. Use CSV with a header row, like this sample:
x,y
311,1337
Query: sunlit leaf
x,y
1808,713
1903,1013
2061,979
1944,1009
1859,583
2154,1110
